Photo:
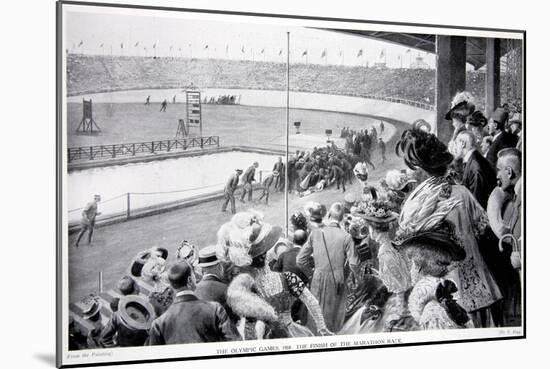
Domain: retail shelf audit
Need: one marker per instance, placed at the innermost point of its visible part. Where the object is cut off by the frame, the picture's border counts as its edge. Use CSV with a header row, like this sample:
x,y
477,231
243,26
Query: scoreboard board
x,y
194,114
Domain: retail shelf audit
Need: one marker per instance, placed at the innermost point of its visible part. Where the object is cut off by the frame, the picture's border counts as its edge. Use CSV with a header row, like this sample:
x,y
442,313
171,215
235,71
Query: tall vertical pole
x,y
287,125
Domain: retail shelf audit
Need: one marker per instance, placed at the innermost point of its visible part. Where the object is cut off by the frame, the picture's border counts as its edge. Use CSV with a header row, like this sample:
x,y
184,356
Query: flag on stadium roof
x,y
122,45
280,51
382,54
206,46
155,45
304,53
408,51
242,49
324,53
80,43
136,45
261,52
101,45
360,52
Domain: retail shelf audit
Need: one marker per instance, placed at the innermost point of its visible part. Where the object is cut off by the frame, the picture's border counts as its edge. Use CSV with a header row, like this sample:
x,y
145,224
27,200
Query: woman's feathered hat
x,y
424,150
476,119
441,239
463,103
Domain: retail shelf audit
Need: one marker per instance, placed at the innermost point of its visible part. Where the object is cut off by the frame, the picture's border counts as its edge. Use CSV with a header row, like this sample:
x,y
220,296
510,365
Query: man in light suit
x,y
330,250
189,319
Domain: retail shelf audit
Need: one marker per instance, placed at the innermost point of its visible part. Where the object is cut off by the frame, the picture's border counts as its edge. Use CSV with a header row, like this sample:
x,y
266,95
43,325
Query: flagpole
x,y
287,126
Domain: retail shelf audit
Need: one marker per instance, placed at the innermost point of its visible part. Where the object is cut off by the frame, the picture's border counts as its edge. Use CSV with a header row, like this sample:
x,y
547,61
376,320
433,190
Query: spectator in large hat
x,y
189,319
433,253
391,266
478,175
130,323
462,106
398,186
279,290
501,138
438,198
91,311
332,253
229,191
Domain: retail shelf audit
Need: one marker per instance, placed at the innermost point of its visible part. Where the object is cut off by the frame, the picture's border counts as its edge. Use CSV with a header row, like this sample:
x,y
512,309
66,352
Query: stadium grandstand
x,y
90,74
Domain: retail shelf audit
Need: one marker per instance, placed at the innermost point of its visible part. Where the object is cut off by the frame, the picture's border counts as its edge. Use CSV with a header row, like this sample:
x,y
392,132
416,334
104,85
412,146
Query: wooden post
x,y
127,205
114,152
492,79
133,149
450,79
91,153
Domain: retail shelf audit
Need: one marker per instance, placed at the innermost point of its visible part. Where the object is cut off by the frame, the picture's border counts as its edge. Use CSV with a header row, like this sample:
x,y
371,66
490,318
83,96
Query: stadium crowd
x,y
435,245
87,74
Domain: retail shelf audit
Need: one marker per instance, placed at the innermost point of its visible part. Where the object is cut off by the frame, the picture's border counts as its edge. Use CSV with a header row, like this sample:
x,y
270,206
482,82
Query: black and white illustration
x,y
235,183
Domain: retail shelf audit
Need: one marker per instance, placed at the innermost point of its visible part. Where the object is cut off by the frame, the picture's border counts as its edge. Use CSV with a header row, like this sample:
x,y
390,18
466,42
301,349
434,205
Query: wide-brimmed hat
x,y
397,180
375,212
267,238
462,103
441,239
136,312
186,251
91,305
208,256
315,211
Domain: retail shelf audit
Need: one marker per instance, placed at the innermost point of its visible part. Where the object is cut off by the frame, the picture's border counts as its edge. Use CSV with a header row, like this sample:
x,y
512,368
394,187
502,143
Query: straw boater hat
x,y
463,103
136,312
208,257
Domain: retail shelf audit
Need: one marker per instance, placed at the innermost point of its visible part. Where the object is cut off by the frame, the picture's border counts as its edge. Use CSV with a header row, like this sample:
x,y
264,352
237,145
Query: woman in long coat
x,y
437,199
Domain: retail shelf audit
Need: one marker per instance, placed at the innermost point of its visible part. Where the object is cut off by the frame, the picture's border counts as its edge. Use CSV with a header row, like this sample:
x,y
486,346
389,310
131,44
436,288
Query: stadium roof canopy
x,y
475,46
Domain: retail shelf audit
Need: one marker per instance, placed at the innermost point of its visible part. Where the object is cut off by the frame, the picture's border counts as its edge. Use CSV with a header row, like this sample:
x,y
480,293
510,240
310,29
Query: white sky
x,y
191,36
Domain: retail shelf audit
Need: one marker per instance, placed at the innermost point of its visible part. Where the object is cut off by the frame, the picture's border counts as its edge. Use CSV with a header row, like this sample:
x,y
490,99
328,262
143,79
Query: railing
x,y
132,149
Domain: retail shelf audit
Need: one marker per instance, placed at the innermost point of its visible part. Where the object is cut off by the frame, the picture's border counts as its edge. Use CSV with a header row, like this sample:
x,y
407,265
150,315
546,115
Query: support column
x,y
492,79
450,78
